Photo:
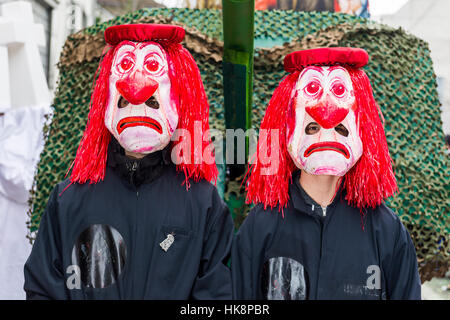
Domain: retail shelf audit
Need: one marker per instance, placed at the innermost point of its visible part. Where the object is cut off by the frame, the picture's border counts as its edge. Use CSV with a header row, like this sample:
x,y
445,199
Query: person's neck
x,y
321,188
134,155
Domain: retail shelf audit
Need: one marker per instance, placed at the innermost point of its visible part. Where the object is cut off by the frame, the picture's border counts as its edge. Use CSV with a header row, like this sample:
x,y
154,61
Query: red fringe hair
x,y
187,90
369,182
273,189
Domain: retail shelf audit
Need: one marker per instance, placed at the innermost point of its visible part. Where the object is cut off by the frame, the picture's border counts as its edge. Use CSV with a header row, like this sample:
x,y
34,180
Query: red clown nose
x,y
136,88
327,115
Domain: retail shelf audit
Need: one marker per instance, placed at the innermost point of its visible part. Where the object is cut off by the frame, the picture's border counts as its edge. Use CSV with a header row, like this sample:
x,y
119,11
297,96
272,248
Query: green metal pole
x,y
238,34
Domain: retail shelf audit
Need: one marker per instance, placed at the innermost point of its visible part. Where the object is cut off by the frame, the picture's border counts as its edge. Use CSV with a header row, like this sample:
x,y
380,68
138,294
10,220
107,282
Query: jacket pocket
x,y
173,245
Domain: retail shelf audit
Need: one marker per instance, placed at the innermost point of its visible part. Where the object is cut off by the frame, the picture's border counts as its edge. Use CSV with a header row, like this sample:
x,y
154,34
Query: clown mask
x,y
141,114
325,140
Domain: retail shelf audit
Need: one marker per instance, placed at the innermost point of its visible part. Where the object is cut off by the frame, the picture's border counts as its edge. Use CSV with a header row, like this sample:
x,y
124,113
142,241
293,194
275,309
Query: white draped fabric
x,y
21,142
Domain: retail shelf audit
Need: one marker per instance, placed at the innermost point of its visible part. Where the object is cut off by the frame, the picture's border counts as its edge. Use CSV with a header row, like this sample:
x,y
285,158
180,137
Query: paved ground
x,y
433,290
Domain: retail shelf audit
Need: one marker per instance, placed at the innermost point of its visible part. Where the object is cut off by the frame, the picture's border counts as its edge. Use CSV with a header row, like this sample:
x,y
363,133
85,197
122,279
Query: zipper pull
x,y
132,167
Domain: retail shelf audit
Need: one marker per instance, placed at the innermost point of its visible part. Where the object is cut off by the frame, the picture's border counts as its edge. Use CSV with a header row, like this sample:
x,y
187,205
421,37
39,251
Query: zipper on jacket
x,y
132,168
321,222
324,211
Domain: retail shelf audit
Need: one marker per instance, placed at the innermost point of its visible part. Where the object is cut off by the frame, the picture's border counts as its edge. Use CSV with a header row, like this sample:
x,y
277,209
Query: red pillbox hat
x,y
345,56
143,32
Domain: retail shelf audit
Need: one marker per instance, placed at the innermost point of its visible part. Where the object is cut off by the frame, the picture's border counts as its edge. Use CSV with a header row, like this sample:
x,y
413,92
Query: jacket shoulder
x,y
260,218
67,190
385,217
190,186
389,226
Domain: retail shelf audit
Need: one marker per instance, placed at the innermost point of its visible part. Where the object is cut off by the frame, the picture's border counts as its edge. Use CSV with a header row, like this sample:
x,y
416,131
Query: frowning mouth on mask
x,y
129,122
327,146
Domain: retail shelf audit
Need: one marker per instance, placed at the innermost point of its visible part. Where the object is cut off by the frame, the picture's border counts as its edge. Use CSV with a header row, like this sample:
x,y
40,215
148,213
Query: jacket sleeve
x,y
241,263
403,280
44,277
213,281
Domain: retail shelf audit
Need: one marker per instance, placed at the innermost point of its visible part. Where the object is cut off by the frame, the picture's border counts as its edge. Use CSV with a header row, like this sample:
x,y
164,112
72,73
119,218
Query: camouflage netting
x,y
400,69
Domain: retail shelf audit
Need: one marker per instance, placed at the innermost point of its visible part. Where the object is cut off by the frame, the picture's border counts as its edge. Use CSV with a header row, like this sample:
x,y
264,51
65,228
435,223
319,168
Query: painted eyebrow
x,y
122,52
122,49
155,53
158,50
335,68
129,43
316,68
137,45
149,43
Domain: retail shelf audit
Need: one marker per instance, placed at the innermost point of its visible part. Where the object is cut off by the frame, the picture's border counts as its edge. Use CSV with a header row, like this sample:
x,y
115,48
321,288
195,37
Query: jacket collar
x,y
303,202
137,171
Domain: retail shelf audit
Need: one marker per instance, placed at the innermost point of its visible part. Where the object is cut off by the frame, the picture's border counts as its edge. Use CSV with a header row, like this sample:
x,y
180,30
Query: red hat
x,y
143,32
352,57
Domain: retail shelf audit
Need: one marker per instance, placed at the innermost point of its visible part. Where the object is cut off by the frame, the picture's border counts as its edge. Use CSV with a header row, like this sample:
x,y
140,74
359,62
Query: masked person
x,y
319,229
138,218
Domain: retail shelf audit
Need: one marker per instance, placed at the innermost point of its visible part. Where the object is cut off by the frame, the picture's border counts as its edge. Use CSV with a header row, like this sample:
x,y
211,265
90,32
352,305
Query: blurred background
x,y
51,21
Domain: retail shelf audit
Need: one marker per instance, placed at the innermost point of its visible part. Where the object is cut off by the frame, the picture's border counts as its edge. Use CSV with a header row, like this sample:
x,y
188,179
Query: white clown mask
x,y
325,140
141,114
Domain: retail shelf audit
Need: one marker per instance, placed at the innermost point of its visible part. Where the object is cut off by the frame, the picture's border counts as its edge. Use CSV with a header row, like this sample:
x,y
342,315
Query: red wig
x,y
187,90
369,182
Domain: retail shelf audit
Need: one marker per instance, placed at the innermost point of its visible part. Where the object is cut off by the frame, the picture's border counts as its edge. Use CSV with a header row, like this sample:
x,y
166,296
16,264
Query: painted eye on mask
x,y
312,128
338,89
125,65
313,88
153,66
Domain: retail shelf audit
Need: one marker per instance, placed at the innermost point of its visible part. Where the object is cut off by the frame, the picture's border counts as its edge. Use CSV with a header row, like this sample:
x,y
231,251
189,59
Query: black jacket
x,y
105,240
306,255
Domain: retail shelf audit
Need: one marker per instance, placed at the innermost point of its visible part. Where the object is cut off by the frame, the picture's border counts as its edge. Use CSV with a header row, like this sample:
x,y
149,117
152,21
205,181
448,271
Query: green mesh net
x,y
401,73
